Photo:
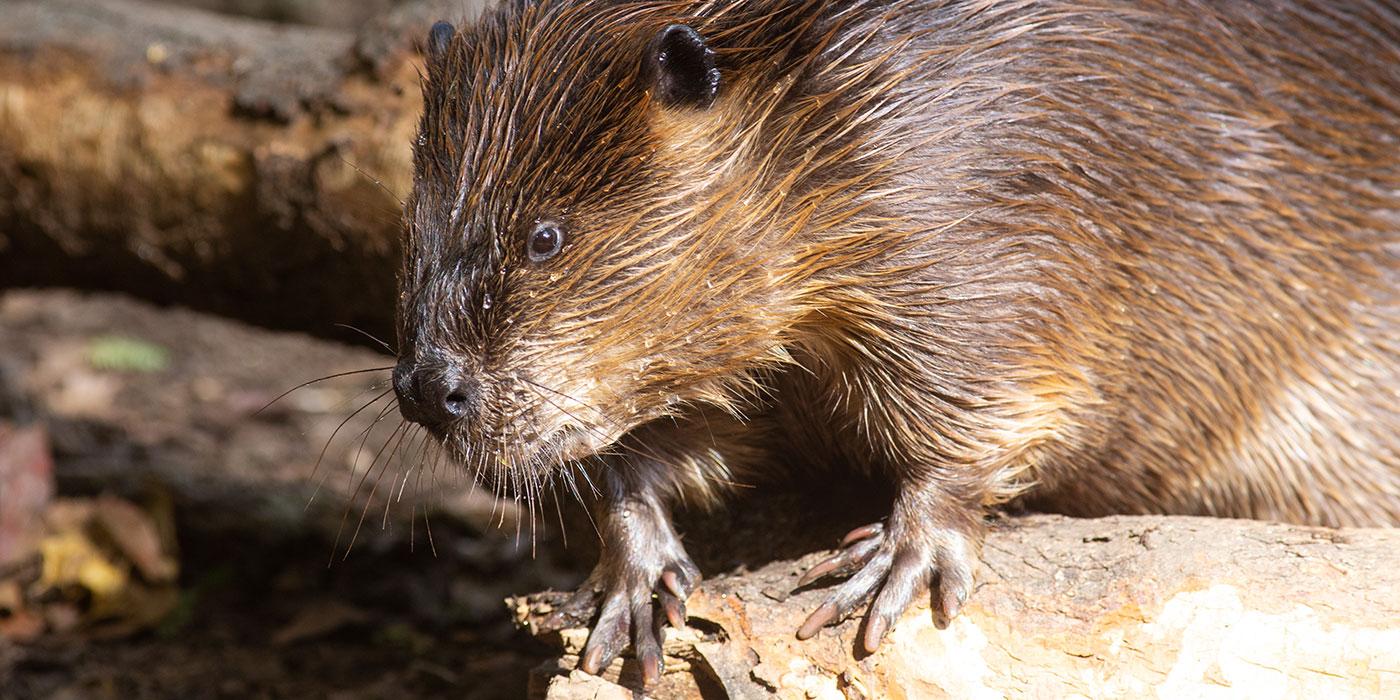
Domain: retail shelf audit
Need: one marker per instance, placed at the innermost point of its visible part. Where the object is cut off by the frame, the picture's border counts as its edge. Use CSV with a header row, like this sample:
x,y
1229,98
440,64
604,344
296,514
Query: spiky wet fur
x,y
1109,256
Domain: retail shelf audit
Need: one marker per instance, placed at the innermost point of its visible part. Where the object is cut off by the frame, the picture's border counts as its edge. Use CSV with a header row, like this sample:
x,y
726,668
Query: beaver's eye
x,y
545,241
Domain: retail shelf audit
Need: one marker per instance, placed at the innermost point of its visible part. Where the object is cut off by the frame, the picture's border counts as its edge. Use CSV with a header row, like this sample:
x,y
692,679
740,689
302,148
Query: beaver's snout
x,y
435,395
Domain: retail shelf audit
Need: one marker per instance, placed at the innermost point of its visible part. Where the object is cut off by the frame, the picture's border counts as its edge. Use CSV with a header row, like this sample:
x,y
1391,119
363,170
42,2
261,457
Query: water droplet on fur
x,y
422,139
486,301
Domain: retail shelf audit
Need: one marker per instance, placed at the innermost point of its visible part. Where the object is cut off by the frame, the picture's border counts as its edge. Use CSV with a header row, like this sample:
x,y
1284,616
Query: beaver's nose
x,y
434,395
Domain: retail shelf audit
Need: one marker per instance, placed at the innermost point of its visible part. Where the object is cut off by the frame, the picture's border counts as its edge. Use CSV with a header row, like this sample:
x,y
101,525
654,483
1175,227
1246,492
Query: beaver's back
x,y
1181,222
1117,256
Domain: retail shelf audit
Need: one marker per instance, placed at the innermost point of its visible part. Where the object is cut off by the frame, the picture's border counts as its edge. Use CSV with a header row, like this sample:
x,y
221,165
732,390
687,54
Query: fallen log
x,y
229,164
1112,607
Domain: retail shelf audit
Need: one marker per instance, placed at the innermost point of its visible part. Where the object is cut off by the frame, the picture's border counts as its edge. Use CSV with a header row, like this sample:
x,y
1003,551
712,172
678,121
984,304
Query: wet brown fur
x,y
1120,257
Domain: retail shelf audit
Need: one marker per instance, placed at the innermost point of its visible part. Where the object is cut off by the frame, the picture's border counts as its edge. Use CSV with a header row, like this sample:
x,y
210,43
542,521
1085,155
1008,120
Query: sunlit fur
x,y
1117,256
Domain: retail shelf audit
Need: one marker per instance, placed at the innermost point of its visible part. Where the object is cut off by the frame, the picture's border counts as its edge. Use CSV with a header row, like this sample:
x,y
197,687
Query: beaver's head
x,y
588,247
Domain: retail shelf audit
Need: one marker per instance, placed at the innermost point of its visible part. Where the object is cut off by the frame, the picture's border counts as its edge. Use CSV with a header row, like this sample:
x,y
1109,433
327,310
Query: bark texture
x,y
218,162
1116,607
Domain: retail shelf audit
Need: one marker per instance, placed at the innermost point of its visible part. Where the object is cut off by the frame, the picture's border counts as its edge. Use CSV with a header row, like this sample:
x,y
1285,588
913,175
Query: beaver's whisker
x,y
527,486
618,444
401,471
369,500
425,443
413,505
572,484
576,400
473,467
517,487
536,499
371,336
592,488
507,481
305,384
374,180
558,510
364,439
428,526
329,440
350,500
531,488
586,426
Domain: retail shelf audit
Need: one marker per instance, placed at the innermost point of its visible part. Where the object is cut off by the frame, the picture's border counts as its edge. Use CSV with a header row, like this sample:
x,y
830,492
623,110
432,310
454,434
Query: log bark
x,y
223,163
1114,607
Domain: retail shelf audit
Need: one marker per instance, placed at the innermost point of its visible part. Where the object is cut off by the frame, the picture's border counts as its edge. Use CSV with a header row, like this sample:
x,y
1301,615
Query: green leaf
x,y
122,354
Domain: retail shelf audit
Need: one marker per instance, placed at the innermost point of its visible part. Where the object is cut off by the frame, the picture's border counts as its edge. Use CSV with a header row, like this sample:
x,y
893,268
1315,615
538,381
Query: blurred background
x,y
199,211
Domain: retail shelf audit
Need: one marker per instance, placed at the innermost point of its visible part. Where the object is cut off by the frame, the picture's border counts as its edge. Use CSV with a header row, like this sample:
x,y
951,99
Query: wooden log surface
x,y
223,163
1118,607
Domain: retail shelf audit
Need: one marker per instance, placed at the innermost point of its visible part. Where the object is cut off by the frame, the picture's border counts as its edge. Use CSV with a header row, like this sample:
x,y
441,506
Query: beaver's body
x,y
1111,257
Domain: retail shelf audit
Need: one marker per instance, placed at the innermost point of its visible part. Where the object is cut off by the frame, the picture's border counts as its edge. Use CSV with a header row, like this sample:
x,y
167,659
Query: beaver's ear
x,y
684,67
439,37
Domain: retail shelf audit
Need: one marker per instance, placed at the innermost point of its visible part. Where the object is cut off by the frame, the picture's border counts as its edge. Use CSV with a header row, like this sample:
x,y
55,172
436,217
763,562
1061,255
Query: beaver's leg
x,y
644,575
641,557
931,541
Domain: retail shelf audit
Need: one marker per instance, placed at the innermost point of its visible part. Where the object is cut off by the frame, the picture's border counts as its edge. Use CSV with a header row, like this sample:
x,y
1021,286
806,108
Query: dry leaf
x,y
71,559
94,547
137,537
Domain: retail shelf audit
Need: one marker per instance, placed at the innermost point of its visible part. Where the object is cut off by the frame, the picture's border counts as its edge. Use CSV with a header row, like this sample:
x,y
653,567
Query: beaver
x,y
1097,256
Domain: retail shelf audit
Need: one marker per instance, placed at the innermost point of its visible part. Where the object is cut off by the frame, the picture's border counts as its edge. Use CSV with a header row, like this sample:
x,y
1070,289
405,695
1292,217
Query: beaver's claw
x,y
892,569
628,601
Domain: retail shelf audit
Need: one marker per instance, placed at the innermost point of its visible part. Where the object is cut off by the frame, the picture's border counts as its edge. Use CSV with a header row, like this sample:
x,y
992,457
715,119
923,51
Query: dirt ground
x,y
160,406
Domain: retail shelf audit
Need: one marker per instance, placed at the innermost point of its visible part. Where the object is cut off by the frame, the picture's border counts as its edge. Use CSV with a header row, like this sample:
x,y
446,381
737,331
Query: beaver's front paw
x,y
627,598
891,563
